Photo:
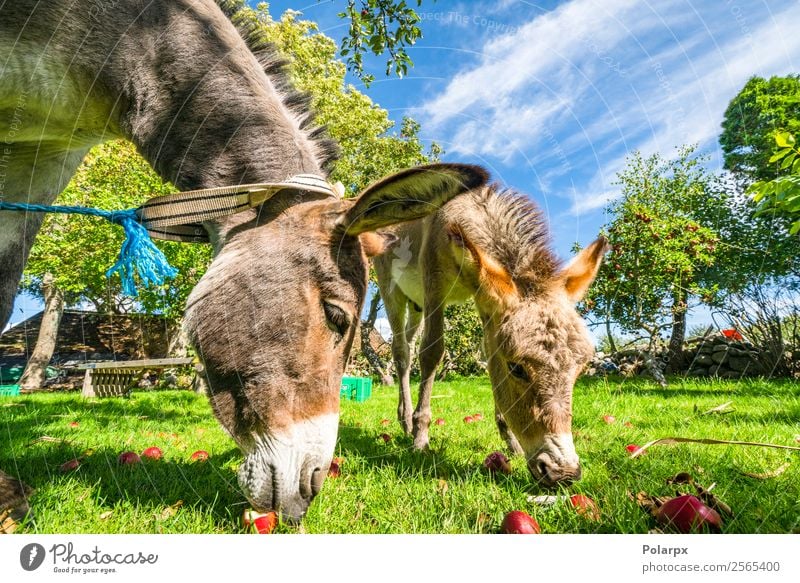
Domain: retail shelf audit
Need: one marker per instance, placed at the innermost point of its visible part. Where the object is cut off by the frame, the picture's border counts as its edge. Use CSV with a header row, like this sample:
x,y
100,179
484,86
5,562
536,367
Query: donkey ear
x,y
408,195
579,273
494,279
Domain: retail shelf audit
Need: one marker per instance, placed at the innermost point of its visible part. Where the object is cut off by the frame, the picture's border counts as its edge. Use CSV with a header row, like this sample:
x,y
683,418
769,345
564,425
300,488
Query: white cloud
x,y
574,90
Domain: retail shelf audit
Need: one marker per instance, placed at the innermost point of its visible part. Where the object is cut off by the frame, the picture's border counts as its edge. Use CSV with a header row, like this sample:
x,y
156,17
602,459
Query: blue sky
x,y
552,96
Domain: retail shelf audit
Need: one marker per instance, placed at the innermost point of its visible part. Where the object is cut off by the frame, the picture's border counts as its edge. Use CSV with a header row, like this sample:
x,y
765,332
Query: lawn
x,y
387,487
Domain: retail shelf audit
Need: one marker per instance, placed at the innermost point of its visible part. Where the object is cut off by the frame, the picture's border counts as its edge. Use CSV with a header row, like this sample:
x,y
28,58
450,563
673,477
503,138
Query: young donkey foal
x,y
492,246
274,316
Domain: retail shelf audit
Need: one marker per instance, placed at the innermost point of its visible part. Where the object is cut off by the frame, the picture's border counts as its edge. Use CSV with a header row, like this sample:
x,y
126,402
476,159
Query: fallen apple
x,y
497,462
264,522
477,417
439,421
687,513
385,422
518,522
632,447
129,457
609,419
628,424
69,466
74,424
199,456
386,437
585,506
154,453
334,470
469,419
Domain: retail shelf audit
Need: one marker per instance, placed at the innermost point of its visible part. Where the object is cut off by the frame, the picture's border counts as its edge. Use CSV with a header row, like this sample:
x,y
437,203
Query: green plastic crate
x,y
356,388
9,390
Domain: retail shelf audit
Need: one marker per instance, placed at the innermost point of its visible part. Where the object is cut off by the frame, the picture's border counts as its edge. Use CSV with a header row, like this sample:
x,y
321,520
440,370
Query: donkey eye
x,y
336,318
518,371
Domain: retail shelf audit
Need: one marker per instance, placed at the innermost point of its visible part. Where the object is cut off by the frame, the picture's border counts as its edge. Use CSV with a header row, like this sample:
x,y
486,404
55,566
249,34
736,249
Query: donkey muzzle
x,y
556,462
285,471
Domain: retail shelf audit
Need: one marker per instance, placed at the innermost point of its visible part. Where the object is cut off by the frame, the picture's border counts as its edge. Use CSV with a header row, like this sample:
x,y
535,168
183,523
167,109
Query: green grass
x,y
389,488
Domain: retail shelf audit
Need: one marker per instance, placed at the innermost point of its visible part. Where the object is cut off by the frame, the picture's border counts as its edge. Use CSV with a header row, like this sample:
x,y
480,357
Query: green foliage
x,y
782,194
762,109
659,248
463,339
78,250
379,26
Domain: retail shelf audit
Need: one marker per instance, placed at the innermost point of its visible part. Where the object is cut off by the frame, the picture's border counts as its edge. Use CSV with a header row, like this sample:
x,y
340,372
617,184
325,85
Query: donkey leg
x,y
506,434
430,355
396,306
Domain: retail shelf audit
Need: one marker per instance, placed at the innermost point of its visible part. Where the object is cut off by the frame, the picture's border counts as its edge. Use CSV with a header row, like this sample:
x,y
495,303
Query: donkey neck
x,y
201,108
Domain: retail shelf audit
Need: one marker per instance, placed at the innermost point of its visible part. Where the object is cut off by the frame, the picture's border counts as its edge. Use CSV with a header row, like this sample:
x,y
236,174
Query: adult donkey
x,y
274,317
492,246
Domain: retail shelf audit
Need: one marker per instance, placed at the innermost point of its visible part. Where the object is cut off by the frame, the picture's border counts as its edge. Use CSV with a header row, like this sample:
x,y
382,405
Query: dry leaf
x,y
105,515
48,439
483,521
674,440
170,511
765,476
721,409
7,524
442,487
681,478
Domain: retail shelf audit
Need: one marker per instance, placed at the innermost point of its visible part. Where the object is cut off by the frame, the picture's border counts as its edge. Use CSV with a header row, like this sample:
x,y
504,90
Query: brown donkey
x,y
492,246
274,317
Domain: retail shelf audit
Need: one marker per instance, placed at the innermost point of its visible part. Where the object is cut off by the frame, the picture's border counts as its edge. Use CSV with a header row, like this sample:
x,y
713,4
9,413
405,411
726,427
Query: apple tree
x,y
659,250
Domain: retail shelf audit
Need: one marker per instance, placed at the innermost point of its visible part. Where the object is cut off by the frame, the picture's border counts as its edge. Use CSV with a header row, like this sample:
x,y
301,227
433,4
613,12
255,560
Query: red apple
x,y
687,513
264,522
609,419
497,462
129,457
469,419
334,470
154,453
385,422
477,417
632,448
518,522
628,424
386,437
439,421
69,466
585,506
200,455
74,424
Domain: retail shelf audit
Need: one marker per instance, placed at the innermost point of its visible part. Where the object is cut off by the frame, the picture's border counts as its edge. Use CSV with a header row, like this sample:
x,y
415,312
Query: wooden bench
x,y
116,378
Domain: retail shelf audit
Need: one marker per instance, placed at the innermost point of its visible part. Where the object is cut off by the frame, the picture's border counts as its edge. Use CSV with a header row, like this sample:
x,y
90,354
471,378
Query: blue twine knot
x,y
138,253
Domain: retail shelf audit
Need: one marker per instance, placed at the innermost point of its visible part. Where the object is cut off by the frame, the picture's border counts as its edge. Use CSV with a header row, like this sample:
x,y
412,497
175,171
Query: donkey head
x,y
537,345
274,317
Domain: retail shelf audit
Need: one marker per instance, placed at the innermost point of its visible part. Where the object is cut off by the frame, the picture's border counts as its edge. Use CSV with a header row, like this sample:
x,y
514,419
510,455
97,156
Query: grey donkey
x,y
274,317
492,245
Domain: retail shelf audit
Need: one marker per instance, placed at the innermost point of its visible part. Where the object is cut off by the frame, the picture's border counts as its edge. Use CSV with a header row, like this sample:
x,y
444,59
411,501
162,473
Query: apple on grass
x,y
469,419
477,417
632,448
496,462
263,522
386,437
69,466
385,422
688,514
609,419
518,522
74,424
128,458
334,470
585,506
439,421
153,453
200,455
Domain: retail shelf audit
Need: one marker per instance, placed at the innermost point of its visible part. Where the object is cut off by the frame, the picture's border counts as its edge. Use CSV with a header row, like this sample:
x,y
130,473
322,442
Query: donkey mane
x,y
513,231
276,68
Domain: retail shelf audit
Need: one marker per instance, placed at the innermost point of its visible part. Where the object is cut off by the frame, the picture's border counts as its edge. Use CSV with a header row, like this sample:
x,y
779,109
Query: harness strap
x,y
177,217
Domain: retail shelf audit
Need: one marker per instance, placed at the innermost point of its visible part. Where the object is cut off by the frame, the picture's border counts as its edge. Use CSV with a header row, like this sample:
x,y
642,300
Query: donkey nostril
x,y
317,478
541,468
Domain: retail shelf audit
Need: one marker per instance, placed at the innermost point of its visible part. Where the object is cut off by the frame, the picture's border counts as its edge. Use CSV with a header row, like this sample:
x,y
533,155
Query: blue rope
x,y
138,253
